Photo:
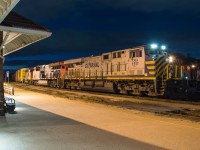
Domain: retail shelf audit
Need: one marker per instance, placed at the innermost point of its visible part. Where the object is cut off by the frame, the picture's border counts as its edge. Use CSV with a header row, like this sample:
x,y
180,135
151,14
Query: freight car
x,y
20,75
142,70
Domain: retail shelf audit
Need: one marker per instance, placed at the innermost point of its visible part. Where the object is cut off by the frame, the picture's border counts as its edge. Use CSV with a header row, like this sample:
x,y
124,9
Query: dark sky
x,y
91,27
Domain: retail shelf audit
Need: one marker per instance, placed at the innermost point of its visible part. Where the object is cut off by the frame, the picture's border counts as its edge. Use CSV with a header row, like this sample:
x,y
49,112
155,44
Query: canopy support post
x,y
2,100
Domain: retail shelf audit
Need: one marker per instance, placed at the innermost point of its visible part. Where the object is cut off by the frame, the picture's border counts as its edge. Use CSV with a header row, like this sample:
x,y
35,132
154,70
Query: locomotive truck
x,y
142,70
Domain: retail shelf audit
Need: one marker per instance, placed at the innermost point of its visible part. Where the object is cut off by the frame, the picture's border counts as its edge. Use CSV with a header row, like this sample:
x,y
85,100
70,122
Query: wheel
x,y
128,92
115,89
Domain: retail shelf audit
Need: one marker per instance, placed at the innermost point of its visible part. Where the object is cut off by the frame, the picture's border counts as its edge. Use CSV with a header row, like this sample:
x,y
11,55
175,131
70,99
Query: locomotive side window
x,y
57,67
132,54
70,66
119,55
114,55
137,53
37,68
106,57
140,53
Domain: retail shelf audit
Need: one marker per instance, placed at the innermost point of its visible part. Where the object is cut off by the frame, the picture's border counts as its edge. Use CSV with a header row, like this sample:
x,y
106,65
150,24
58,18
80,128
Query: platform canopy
x,y
19,32
5,7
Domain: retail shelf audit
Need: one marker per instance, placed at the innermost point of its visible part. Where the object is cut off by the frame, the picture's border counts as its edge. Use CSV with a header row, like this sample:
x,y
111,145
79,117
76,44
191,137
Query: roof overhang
x,y
5,7
17,38
19,32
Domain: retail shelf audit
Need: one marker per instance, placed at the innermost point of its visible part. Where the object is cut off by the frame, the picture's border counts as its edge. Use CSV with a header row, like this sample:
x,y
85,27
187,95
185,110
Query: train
x,y
142,70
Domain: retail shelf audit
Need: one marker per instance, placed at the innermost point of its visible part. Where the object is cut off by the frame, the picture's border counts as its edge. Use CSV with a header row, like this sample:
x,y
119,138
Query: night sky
x,y
90,27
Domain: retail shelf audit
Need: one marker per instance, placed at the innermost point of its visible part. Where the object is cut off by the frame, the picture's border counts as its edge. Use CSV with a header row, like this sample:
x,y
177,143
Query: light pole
x,y
193,73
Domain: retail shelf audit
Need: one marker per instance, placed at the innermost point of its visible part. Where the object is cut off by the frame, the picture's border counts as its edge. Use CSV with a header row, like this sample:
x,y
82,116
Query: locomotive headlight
x,y
171,59
193,66
154,46
163,47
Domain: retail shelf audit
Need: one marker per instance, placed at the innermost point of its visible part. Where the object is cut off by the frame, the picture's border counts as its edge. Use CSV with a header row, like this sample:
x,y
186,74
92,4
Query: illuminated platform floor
x,y
34,129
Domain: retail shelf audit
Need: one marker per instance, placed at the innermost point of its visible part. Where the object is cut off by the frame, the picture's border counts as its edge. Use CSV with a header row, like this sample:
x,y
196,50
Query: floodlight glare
x,y
193,66
170,59
154,46
163,47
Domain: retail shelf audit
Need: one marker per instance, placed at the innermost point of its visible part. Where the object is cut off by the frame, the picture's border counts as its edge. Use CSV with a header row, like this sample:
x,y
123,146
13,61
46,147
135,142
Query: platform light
x,y
154,46
163,47
186,78
171,59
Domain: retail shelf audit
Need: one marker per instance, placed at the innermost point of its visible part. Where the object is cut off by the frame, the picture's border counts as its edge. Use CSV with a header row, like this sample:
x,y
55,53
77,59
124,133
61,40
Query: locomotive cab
x,y
154,52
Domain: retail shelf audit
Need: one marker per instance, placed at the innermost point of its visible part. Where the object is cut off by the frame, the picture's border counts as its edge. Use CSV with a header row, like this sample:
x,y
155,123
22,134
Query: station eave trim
x,y
25,31
24,38
21,42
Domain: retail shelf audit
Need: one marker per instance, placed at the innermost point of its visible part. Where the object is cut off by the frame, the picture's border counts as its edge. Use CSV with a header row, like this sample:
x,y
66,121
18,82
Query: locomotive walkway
x,y
43,121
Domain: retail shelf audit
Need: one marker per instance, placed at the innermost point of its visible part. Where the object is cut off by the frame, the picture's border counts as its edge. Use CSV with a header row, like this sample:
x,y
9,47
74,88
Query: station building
x,y
16,32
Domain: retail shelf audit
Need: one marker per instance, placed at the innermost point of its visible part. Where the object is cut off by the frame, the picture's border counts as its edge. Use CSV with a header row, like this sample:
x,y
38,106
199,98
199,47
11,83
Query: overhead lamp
x,y
163,47
193,66
154,46
171,59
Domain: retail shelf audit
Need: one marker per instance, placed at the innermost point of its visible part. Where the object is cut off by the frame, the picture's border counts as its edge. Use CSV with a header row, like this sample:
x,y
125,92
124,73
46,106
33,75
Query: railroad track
x,y
171,108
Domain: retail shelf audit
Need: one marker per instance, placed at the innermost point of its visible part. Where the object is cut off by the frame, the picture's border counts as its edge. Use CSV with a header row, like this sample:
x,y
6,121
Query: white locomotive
x,y
139,70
